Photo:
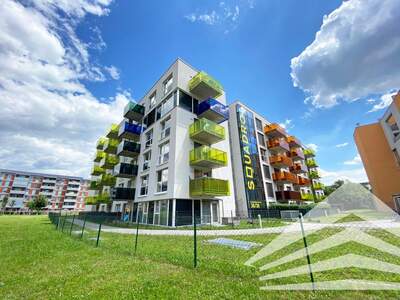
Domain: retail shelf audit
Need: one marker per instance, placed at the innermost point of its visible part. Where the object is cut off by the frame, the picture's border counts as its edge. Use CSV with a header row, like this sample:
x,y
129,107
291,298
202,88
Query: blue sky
x,y
113,51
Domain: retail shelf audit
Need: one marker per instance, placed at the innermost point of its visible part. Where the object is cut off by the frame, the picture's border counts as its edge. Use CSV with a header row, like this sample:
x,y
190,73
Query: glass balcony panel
x,y
311,163
134,111
293,141
205,131
298,168
280,161
109,161
207,157
274,131
209,187
285,177
318,186
297,154
314,174
108,180
113,131
303,181
96,171
204,86
309,152
128,149
213,110
284,196
126,170
278,145
99,155
100,143
122,194
129,131
111,146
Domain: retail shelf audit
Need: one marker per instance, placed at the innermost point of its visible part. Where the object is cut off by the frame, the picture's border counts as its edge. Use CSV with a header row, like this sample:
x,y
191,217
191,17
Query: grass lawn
x,y
38,262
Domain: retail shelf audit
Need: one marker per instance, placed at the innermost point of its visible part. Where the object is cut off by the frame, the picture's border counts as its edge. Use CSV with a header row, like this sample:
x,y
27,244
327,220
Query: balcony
x,y
128,149
293,141
303,181
204,86
297,154
113,131
100,143
298,168
134,111
94,185
207,157
129,131
274,131
278,145
108,180
318,186
123,194
205,131
311,163
126,170
96,171
309,152
280,161
307,197
109,161
111,146
314,174
213,110
99,155
208,187
284,196
284,177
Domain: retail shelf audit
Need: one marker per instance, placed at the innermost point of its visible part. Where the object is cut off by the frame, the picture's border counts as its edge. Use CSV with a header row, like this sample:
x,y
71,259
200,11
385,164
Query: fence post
x,y
83,226
194,241
62,229
233,225
306,248
98,235
137,231
72,225
58,221
260,220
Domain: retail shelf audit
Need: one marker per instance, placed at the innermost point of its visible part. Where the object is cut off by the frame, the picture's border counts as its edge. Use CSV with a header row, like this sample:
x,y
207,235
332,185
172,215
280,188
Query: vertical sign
x,y
250,159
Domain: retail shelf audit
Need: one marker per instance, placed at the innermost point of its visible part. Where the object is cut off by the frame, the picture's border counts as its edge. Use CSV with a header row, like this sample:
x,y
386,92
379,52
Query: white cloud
x,y
354,175
113,71
342,145
287,124
354,54
49,120
355,161
312,147
384,102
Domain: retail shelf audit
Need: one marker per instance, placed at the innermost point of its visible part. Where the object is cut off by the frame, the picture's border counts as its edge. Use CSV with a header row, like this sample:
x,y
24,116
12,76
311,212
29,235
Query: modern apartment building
x,y
180,152
62,192
379,148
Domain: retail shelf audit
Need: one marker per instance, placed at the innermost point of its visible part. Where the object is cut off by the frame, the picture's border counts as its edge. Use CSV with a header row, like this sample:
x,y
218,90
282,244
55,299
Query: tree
x,y
38,203
329,189
4,203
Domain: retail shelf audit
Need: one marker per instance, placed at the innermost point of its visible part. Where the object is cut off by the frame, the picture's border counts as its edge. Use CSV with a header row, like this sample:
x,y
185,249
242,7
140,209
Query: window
x,y
267,173
185,101
152,100
163,153
168,84
165,128
263,155
162,181
270,190
261,140
146,160
259,125
156,212
150,118
144,185
118,207
148,138
165,107
164,212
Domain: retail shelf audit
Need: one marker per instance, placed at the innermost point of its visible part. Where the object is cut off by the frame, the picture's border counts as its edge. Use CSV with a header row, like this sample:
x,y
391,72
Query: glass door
x,y
214,211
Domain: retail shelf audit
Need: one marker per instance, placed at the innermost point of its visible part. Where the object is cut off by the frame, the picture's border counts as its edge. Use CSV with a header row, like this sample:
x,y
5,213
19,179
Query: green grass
x,y
38,262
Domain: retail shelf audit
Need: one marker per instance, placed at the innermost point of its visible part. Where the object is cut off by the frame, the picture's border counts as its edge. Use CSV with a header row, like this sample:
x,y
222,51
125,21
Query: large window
x,y
270,190
267,172
165,128
259,125
146,160
156,212
263,155
185,101
163,153
162,181
144,185
165,106
152,100
164,212
168,84
148,138
261,140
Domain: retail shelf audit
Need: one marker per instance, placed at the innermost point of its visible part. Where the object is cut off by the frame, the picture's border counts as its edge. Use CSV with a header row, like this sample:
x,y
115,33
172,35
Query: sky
x,y
68,67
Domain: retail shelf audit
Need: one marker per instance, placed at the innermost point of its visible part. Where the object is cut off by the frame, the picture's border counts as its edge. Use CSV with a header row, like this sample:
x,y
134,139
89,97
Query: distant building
x,y
62,192
379,148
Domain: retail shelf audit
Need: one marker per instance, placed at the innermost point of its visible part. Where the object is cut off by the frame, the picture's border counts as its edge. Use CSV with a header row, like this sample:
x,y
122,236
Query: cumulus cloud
x,y
385,101
342,145
287,124
49,120
354,54
312,147
355,161
354,175
113,71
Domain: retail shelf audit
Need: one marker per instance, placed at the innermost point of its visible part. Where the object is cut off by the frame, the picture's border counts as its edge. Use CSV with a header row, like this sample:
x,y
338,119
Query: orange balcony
x,y
293,141
280,161
304,181
298,168
278,144
285,177
274,131
296,153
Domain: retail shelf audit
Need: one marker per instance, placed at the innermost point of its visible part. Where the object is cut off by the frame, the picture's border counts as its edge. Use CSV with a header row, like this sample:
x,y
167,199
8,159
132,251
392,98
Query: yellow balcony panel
x,y
101,143
111,146
204,86
205,131
207,157
113,131
99,155
311,163
309,153
318,186
109,161
209,187
96,171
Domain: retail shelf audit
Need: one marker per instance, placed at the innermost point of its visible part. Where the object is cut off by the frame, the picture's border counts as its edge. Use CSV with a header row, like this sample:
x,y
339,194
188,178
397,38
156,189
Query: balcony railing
x,y
311,163
284,196
109,161
108,180
122,194
206,132
96,171
128,149
314,174
129,131
297,154
284,177
303,181
278,145
208,187
318,186
309,152
298,168
113,131
126,170
207,157
307,197
111,146
134,111
274,130
213,110
204,86
99,155
100,143
280,161
293,141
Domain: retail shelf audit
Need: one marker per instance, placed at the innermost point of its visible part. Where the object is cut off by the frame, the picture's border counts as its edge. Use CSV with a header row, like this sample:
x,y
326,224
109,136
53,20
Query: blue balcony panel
x,y
130,131
213,110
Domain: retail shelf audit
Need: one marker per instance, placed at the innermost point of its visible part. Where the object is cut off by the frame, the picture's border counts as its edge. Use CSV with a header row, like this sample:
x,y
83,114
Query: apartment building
x,y
178,153
62,192
379,148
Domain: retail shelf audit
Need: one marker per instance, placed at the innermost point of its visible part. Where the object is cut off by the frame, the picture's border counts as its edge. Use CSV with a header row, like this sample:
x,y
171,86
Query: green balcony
x,y
205,131
207,158
109,161
309,153
97,171
99,155
314,174
100,143
108,180
318,186
113,131
307,197
208,187
111,146
204,86
134,111
311,163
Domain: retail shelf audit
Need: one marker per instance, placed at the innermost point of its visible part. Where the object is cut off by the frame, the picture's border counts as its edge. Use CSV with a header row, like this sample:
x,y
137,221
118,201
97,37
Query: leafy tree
x,y
38,203
329,189
4,202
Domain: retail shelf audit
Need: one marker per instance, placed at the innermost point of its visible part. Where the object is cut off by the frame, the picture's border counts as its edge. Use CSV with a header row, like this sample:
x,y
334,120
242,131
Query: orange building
x,y
379,148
